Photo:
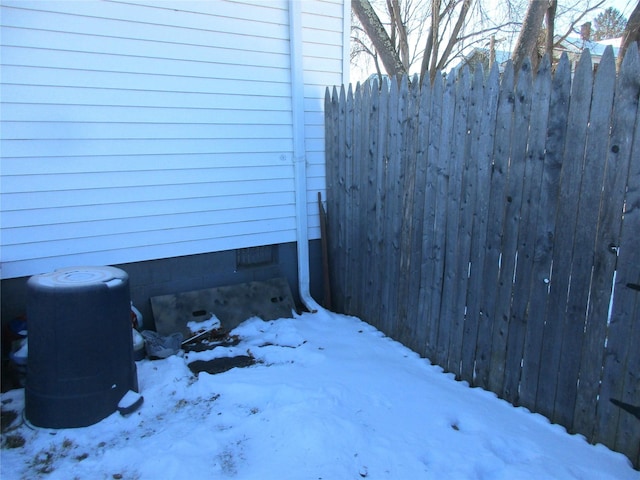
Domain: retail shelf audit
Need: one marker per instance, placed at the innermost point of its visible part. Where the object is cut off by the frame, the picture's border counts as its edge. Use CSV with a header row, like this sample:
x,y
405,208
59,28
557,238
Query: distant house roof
x,y
575,45
572,45
481,56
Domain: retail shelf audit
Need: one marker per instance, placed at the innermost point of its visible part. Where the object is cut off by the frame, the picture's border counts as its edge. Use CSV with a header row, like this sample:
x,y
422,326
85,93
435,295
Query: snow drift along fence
x,y
496,230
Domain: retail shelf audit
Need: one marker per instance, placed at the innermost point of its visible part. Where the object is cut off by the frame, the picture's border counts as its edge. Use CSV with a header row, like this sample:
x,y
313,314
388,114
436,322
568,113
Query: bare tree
x,y
432,48
550,18
401,35
631,33
398,28
528,39
361,47
379,37
447,24
534,41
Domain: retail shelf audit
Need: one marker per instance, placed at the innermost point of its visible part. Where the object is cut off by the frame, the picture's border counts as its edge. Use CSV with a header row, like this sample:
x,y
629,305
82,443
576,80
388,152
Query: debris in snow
x,y
159,346
198,327
219,365
130,403
138,345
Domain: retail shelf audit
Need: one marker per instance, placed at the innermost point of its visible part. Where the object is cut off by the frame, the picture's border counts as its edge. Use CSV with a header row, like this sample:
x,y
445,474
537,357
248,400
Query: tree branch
x,y
528,37
571,28
551,27
495,29
466,6
403,42
631,34
379,37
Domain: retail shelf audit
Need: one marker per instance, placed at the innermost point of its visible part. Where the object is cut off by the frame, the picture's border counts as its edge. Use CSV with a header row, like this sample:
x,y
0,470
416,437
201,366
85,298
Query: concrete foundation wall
x,y
194,272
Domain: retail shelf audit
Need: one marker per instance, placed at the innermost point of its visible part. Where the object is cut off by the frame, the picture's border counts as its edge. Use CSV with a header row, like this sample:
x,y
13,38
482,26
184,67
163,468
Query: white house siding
x,y
141,130
323,63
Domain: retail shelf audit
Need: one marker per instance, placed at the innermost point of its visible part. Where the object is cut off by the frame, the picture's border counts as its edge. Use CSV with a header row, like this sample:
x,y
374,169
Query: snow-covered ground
x,y
330,398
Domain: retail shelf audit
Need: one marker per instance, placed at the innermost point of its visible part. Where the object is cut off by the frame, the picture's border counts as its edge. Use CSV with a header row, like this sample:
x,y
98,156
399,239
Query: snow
x,y
330,397
196,327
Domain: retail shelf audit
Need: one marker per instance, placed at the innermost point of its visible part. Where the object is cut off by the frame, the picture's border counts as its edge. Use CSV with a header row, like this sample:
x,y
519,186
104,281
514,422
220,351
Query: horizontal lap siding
x,y
322,34
141,130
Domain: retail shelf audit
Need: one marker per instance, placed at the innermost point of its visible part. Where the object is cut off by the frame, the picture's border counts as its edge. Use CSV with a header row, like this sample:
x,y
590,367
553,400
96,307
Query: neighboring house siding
x,y
141,130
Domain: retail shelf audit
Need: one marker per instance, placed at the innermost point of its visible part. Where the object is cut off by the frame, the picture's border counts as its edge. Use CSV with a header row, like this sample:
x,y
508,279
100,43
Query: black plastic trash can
x,y
80,361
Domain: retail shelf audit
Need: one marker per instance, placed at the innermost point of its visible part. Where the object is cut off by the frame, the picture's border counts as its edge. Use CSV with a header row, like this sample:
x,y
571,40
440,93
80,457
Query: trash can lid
x,y
71,277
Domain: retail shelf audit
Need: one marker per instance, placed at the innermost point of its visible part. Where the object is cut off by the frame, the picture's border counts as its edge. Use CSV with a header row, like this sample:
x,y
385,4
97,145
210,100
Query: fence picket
x,y
483,137
535,340
411,218
421,195
594,328
381,206
368,208
333,140
440,300
392,192
628,433
355,216
459,218
621,325
531,330
429,293
338,214
349,232
489,371
514,260
406,204
570,286
547,246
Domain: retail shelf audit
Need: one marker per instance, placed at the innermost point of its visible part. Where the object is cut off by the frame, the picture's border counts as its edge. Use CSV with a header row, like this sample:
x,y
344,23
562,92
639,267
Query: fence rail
x,y
495,229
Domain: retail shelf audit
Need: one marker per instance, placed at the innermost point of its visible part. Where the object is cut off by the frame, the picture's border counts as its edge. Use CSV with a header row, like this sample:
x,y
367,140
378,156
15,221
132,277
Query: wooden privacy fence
x,y
495,229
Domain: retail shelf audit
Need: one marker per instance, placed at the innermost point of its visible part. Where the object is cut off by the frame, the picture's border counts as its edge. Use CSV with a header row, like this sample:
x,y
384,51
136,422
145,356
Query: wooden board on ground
x,y
221,365
232,304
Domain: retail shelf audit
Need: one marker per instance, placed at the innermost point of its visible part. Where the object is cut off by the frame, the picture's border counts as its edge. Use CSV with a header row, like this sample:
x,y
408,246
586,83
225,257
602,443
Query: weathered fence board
x,y
454,254
332,148
619,341
392,221
535,205
349,203
429,304
489,371
536,344
628,432
412,217
552,327
407,115
493,228
368,208
336,192
482,140
569,283
516,217
355,213
439,336
422,192
595,330
526,325
381,205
